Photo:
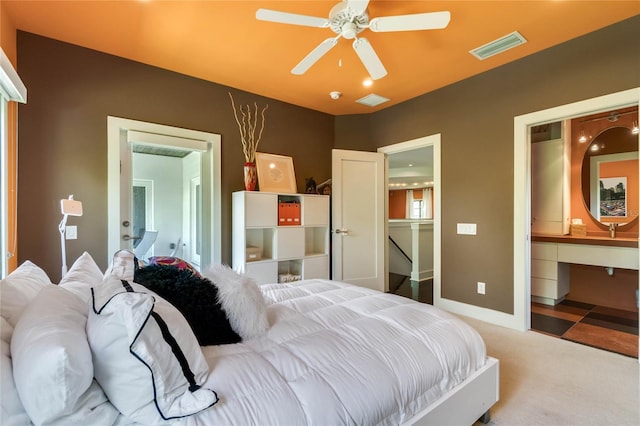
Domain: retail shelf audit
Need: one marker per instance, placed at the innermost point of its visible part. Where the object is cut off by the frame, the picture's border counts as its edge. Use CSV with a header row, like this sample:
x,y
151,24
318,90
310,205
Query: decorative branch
x,y
247,125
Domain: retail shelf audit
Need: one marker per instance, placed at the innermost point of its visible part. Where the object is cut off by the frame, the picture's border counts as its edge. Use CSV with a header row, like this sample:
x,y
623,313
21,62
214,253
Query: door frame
x,y
435,141
521,318
117,129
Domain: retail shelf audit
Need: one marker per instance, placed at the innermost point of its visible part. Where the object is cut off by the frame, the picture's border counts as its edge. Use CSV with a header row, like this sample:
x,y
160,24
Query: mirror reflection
x,y
608,170
609,175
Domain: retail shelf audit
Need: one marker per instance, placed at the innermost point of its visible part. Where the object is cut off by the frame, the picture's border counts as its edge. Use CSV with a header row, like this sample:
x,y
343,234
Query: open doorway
x,y
584,197
522,190
413,218
182,167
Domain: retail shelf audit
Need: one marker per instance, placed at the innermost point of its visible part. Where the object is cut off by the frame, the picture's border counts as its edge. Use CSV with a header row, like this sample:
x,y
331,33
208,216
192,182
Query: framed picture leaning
x,y
275,173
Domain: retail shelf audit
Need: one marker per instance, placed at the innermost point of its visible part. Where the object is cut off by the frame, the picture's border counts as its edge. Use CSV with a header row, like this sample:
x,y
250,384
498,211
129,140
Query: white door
x,y
359,233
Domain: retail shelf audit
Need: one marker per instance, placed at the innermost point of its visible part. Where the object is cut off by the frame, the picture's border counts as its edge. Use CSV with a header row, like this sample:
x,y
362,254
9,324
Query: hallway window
x,y
418,209
419,203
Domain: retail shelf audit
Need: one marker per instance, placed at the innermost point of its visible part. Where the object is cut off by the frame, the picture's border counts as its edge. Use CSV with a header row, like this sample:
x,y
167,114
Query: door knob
x,y
126,237
342,231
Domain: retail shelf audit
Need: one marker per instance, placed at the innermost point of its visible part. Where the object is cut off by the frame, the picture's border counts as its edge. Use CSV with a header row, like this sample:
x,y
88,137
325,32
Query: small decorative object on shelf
x,y
250,176
324,188
310,185
288,278
247,125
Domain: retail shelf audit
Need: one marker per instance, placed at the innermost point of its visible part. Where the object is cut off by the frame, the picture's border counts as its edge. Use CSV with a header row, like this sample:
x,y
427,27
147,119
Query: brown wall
x,y
475,118
72,90
63,138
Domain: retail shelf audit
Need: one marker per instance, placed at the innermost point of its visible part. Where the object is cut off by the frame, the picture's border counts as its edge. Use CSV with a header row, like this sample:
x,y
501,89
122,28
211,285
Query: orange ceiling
x,y
221,41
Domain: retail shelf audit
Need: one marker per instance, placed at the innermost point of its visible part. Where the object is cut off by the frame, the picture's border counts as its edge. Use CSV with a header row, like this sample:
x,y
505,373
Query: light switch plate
x,y
71,232
467,228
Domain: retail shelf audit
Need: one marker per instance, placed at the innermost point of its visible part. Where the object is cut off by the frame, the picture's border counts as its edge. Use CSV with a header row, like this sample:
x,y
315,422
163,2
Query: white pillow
x,y
52,364
241,299
145,356
11,409
83,275
20,288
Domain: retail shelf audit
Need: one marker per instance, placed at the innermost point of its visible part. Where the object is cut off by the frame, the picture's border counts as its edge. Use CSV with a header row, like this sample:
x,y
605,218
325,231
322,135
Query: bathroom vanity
x,y
552,255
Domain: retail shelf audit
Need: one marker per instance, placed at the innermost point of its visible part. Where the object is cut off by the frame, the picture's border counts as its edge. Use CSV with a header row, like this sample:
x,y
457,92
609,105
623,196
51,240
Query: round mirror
x,y
610,176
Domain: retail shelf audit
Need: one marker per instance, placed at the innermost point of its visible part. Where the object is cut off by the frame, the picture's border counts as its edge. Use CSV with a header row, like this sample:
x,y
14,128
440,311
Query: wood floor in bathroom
x,y
610,329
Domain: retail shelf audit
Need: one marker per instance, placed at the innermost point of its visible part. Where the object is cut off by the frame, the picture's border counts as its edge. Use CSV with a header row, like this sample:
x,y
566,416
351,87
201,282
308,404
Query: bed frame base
x,y
466,403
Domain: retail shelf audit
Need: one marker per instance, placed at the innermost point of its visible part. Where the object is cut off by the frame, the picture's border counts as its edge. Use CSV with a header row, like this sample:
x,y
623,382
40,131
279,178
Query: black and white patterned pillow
x,y
145,356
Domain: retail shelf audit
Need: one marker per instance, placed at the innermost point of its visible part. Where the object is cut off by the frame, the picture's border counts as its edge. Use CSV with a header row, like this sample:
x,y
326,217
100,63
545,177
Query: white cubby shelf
x,y
271,251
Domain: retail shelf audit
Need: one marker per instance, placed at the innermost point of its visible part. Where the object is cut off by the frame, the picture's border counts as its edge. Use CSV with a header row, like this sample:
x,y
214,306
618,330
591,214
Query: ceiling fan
x,y
348,19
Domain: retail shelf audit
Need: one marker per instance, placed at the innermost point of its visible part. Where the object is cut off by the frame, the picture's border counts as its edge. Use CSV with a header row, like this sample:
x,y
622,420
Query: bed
x,y
330,353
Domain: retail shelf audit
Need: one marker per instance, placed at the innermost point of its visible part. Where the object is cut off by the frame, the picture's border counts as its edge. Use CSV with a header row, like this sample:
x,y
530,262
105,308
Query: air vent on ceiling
x,y
372,100
498,46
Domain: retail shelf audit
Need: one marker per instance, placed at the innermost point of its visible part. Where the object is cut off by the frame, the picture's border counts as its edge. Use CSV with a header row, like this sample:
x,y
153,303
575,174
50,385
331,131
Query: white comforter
x,y
339,354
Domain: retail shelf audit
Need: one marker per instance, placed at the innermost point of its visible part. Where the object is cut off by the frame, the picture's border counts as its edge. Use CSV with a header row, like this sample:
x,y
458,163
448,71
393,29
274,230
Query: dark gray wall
x,y
62,147
475,118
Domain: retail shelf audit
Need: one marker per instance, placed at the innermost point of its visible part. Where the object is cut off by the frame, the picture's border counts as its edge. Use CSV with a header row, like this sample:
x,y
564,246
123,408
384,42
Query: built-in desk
x,y
552,254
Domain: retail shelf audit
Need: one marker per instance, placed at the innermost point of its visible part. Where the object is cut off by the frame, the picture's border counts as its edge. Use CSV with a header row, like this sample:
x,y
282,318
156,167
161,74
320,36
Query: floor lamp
x,y
68,207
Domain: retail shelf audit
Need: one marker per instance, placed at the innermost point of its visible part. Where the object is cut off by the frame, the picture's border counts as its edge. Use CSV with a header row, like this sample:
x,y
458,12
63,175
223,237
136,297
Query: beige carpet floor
x,y
548,381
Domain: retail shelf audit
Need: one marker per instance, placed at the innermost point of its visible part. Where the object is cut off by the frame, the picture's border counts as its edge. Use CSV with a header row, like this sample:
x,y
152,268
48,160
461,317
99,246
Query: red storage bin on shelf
x,y
288,214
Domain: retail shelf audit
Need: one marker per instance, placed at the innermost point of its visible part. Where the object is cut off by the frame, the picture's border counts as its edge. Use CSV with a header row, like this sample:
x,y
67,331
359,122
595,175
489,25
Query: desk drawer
x,y
545,251
544,269
545,288
607,256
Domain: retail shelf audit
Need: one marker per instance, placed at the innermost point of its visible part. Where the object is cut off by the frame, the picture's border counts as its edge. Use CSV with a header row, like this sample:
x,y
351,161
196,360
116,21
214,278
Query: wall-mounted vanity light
x,y
582,138
612,117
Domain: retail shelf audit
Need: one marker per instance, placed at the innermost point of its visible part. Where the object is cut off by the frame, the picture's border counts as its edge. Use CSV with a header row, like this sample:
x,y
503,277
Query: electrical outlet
x,y
481,287
71,232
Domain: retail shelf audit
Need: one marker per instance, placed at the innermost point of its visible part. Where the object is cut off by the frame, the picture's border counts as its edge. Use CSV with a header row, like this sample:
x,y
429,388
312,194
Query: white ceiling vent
x,y
498,46
372,100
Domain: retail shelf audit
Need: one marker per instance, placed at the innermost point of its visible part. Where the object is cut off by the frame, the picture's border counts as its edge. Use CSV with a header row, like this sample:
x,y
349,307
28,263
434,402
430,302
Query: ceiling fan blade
x,y
358,7
314,55
369,58
418,21
291,18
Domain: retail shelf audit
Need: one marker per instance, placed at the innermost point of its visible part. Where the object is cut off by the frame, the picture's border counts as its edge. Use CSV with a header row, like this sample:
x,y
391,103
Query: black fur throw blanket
x,y
195,296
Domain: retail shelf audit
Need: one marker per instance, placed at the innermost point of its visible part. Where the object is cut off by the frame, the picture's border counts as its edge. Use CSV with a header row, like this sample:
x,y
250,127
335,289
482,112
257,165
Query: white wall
x,y
166,174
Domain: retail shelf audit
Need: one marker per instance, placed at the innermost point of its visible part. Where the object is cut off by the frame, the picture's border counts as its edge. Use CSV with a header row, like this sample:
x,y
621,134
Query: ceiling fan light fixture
x,y
349,18
372,100
500,45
